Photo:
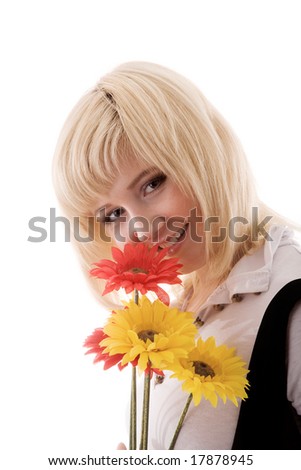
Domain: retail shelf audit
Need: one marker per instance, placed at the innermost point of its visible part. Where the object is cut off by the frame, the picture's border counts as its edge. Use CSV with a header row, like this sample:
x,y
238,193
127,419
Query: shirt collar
x,y
252,273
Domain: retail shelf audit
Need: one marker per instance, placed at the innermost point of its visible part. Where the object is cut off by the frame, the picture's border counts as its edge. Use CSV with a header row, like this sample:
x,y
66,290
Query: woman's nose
x,y
139,230
142,229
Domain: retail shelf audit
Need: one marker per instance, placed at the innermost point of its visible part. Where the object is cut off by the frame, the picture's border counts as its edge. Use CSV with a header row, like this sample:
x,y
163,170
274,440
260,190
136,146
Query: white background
x,y
245,57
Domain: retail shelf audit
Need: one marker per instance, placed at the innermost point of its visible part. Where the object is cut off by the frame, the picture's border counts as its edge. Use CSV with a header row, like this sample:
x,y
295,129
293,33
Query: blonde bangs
x,y
140,111
85,161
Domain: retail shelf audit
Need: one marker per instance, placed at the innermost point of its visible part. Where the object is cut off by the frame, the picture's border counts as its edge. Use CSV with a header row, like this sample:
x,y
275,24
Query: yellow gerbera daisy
x,y
151,333
212,371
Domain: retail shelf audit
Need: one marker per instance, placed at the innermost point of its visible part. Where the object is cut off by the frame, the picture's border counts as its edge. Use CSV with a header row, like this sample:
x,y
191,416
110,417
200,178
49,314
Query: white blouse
x,y
236,325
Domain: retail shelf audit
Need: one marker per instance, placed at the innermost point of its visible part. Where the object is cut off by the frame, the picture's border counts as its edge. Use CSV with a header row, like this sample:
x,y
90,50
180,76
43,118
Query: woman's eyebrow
x,y
139,177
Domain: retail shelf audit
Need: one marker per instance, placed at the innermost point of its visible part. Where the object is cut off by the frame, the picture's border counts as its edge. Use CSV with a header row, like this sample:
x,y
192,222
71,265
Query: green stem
x,y
133,410
133,441
180,423
145,412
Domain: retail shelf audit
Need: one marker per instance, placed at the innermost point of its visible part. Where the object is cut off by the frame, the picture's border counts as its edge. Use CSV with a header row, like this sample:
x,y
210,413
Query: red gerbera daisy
x,y
93,342
138,267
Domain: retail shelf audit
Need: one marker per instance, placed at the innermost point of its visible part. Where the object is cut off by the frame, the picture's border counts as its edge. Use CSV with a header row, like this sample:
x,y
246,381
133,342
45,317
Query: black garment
x,y
267,420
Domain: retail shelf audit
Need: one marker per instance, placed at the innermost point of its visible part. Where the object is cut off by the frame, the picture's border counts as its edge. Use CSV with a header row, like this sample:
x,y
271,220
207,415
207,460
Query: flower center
x,y
201,368
139,270
147,334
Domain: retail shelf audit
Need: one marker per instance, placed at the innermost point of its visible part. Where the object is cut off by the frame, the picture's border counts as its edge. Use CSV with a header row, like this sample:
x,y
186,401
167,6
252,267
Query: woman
x,y
144,156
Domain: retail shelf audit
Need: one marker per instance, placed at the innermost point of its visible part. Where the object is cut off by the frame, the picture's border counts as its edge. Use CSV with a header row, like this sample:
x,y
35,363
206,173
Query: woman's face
x,y
145,205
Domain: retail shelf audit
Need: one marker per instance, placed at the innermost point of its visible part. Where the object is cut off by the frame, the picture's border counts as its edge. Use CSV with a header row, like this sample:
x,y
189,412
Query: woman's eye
x,y
113,215
154,184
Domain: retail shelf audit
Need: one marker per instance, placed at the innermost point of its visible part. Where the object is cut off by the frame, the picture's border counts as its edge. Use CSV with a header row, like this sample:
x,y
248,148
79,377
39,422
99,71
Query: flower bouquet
x,y
153,337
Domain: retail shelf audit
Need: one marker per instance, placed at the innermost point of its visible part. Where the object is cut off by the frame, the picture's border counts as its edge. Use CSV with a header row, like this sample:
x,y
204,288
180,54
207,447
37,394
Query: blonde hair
x,y
167,123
